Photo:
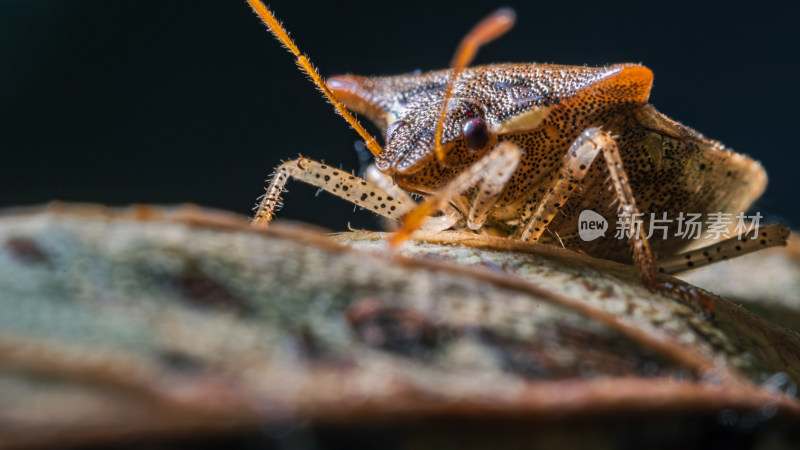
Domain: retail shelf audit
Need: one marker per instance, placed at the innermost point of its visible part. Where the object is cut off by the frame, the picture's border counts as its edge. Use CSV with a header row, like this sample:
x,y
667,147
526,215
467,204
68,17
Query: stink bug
x,y
522,150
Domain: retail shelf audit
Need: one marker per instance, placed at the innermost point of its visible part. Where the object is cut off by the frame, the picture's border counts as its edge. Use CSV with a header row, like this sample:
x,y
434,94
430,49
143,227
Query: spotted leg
x,y
449,218
575,164
769,236
561,185
592,143
336,181
490,174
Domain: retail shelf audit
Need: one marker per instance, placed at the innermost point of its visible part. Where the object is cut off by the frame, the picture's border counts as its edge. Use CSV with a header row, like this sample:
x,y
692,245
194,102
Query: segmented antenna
x,y
277,29
487,30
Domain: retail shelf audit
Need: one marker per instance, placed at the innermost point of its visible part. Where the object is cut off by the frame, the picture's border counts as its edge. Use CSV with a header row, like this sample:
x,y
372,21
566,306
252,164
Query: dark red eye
x,y
394,127
476,134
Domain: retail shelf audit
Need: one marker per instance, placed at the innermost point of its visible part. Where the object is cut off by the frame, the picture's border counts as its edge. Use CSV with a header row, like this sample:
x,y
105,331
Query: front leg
x,y
490,173
337,182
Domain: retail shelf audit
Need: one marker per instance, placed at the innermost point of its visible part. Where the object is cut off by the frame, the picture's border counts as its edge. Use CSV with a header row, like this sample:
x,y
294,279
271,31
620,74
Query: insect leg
x,y
602,142
385,182
335,181
574,167
498,164
581,154
448,219
488,192
642,255
768,236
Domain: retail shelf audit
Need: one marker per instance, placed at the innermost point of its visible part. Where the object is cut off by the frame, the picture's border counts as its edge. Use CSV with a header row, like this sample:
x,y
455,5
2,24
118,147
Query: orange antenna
x,y
277,29
489,29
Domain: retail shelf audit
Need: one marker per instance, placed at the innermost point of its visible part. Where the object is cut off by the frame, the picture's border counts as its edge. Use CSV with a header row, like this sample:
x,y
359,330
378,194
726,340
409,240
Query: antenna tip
x,y
506,14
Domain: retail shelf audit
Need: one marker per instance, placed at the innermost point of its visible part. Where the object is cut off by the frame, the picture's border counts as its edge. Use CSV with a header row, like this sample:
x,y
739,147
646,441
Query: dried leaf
x,y
153,321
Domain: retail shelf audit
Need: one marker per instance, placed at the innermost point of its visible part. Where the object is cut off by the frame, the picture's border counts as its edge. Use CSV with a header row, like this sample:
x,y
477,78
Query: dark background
x,y
193,101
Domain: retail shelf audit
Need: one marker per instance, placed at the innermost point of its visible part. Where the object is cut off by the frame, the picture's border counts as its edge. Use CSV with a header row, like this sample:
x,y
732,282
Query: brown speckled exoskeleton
x,y
520,150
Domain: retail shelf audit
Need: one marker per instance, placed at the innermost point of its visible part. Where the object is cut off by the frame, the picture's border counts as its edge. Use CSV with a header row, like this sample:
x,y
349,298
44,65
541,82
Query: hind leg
x,y
766,237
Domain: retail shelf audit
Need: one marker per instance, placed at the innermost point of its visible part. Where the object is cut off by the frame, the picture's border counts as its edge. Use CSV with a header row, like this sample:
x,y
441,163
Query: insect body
x,y
543,110
521,150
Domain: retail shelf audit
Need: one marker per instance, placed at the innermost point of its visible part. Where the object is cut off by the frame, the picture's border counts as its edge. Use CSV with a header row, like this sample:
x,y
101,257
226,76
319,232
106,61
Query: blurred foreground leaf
x,y
154,322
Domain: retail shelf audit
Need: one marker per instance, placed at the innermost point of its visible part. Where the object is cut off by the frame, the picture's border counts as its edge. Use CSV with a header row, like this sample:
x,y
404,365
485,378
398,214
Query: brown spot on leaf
x,y
399,330
26,250
202,291
180,362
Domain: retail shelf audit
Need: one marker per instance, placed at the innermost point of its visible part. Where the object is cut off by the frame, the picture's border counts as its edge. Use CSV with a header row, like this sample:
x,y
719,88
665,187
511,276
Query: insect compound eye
x,y
476,134
394,127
